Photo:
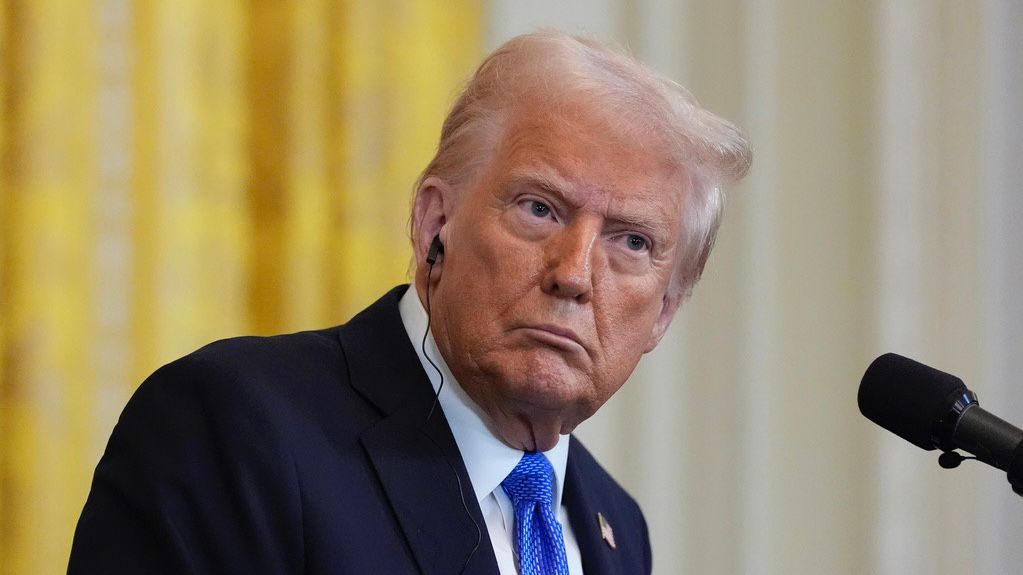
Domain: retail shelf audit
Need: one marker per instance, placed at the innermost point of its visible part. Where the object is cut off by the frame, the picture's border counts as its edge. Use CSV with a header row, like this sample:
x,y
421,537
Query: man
x,y
568,212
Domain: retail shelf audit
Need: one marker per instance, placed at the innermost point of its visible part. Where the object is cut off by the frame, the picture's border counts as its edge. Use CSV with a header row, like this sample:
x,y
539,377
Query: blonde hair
x,y
556,68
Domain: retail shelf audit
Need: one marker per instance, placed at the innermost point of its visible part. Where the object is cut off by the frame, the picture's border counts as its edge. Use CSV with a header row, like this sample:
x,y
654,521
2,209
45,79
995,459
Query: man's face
x,y
555,278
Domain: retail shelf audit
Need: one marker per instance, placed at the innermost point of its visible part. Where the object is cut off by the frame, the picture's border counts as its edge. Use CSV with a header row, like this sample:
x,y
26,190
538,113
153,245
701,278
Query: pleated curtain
x,y
178,171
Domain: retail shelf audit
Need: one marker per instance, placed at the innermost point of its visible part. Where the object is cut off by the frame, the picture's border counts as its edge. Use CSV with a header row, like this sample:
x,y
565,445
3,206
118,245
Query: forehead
x,y
591,153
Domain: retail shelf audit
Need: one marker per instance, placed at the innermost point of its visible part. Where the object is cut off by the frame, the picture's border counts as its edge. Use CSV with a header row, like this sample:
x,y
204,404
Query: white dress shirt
x,y
487,459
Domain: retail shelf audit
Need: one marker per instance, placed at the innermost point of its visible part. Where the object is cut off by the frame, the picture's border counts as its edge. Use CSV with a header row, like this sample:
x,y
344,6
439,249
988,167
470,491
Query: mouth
x,y
555,336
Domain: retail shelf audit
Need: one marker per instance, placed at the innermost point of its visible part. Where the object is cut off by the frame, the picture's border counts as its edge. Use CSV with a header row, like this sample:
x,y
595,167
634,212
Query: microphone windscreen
x,y
907,398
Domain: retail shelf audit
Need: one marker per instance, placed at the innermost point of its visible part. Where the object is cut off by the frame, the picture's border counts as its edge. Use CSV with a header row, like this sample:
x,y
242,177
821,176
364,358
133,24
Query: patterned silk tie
x,y
538,538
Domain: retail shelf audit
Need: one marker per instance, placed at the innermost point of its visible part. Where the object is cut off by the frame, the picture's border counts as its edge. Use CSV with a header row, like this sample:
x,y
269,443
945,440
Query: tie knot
x,y
531,480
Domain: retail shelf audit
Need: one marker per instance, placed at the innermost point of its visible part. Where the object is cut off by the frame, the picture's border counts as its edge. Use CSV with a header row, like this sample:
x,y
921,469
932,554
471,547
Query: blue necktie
x,y
538,538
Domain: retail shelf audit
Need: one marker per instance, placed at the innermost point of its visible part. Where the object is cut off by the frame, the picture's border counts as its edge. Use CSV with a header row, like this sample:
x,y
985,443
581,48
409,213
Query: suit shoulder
x,y
247,376
254,359
266,351
204,450
598,478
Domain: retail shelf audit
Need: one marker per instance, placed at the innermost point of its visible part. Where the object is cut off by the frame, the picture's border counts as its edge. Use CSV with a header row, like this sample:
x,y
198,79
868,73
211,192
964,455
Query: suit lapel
x,y
427,493
418,463
582,514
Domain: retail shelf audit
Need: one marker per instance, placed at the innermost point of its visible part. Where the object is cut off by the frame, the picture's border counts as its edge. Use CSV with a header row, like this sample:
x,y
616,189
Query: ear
x,y
669,305
430,213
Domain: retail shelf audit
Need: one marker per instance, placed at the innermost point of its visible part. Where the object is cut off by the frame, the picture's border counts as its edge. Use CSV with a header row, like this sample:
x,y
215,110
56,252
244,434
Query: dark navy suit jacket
x,y
308,453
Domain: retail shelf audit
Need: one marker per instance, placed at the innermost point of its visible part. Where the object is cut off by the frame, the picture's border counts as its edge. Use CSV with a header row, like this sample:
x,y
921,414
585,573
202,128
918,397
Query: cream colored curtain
x,y
179,171
881,214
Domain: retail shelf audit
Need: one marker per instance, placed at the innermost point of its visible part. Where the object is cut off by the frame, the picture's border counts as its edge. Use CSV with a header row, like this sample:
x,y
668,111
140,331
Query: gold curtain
x,y
178,171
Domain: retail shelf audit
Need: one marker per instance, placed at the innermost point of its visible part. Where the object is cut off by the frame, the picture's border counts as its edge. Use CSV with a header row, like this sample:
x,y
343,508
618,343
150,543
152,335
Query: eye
x,y
539,209
636,243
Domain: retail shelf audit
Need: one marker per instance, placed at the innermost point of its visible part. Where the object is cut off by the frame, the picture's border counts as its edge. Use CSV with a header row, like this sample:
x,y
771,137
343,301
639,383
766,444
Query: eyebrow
x,y
554,186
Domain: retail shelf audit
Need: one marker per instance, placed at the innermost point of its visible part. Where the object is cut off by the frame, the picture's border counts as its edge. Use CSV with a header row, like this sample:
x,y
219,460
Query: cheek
x,y
630,309
489,274
496,261
627,321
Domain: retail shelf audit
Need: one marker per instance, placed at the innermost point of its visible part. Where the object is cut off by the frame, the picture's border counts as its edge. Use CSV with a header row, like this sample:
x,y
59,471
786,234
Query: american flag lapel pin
x,y
606,533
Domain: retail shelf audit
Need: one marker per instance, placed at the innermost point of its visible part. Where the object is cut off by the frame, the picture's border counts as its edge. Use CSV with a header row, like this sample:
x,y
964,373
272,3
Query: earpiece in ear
x,y
436,249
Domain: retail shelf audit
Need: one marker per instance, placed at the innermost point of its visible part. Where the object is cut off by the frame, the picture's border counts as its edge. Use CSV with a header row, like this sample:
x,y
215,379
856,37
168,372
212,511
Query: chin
x,y
543,380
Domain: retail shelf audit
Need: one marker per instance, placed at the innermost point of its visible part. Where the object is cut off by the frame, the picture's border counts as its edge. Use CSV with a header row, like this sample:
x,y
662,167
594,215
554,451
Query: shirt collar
x,y
488,460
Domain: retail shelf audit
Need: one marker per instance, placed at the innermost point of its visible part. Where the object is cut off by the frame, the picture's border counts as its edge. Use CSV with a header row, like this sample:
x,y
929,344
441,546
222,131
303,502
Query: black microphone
x,y
935,410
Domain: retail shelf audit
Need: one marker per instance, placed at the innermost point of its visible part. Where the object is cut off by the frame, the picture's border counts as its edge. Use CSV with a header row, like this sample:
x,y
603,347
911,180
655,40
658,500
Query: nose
x,y
569,256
